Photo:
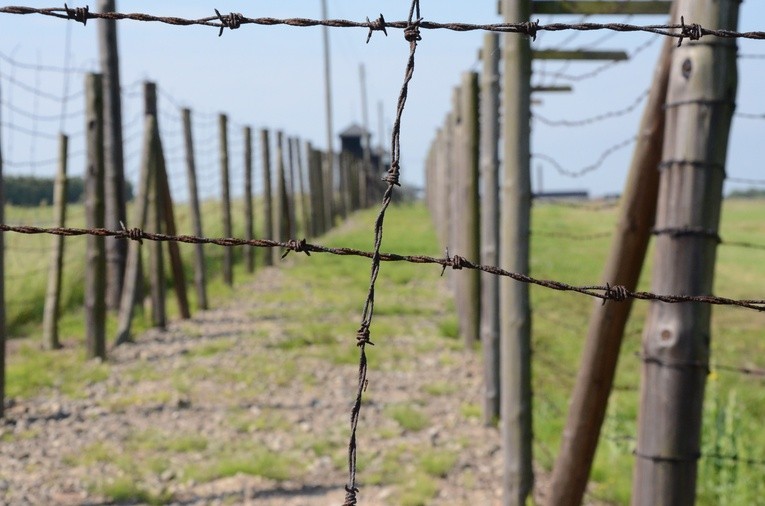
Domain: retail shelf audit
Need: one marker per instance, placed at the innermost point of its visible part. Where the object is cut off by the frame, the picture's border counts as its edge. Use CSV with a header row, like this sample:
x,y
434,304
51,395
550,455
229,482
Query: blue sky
x,y
273,77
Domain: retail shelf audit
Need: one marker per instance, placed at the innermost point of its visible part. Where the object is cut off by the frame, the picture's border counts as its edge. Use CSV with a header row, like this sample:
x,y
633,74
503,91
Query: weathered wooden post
x,y
282,224
114,165
53,292
290,186
489,166
268,215
595,376
228,253
249,226
319,226
468,282
701,98
3,337
146,178
156,258
95,273
200,281
304,197
515,223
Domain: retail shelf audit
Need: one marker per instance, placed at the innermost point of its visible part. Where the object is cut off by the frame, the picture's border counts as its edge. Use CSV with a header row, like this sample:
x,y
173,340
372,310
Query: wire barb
x,y
134,234
232,20
78,14
296,246
376,25
617,293
694,31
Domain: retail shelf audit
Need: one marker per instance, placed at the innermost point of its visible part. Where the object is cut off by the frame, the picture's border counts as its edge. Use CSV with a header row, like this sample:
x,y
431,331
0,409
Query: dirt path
x,y
249,404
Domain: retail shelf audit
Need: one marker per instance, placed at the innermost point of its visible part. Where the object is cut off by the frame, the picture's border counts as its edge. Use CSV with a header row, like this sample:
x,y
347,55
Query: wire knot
x,y
392,177
530,28
376,25
134,234
616,292
412,31
350,496
362,336
297,247
457,262
232,20
79,14
692,31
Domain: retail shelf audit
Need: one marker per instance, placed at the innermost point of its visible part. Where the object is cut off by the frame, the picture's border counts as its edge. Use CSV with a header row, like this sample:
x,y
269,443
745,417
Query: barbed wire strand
x,y
593,119
588,168
412,35
680,31
603,292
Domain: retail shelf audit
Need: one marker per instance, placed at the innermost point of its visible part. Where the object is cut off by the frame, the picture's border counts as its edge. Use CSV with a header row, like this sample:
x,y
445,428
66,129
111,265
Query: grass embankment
x,y
330,288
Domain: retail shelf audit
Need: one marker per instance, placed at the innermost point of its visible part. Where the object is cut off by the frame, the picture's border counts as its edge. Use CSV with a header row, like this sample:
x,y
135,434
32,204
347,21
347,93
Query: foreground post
x,y
53,292
700,103
515,311
595,376
95,273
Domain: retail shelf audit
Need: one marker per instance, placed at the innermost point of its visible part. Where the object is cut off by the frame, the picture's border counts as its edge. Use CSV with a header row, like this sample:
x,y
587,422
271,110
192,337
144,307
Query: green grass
x,y
408,417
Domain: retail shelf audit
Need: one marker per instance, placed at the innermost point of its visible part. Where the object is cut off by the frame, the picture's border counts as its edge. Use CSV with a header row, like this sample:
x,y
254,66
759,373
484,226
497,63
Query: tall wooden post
x,y
469,282
196,214
329,161
249,227
114,165
515,222
146,177
95,273
317,191
3,337
489,166
268,214
53,292
700,103
304,212
228,253
281,223
156,258
595,376
291,200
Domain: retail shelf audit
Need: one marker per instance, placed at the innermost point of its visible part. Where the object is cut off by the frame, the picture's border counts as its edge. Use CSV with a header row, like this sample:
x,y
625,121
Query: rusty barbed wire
x,y
593,119
588,168
39,93
602,292
680,31
743,180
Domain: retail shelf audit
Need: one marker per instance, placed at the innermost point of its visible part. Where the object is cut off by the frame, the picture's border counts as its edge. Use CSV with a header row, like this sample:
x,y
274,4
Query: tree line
x,y
30,191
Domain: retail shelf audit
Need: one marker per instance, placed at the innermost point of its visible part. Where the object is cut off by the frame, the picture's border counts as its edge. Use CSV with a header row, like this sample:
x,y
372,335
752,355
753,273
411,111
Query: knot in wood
x,y
616,292
376,25
79,14
232,20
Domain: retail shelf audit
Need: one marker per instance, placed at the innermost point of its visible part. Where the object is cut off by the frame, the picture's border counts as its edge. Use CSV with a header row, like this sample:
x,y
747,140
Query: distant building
x,y
351,140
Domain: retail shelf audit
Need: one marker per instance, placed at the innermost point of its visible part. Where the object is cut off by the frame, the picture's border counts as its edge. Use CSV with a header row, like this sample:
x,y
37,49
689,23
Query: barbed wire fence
x,y
412,32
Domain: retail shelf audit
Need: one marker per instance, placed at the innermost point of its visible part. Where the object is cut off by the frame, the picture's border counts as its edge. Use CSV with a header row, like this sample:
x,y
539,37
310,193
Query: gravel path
x,y
226,409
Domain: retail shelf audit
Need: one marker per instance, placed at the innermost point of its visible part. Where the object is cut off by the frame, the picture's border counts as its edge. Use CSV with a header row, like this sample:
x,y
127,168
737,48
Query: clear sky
x,y
273,77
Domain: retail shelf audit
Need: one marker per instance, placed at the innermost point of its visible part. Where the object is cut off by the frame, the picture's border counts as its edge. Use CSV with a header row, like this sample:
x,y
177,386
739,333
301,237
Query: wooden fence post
x,y
291,200
515,224
489,161
228,253
268,214
3,336
595,375
156,258
196,214
316,191
701,99
114,165
469,282
303,195
281,223
173,249
330,207
132,267
53,292
249,227
95,273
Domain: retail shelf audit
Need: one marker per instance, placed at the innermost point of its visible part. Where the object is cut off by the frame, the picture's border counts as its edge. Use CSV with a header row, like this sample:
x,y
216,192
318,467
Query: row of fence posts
x,y
297,178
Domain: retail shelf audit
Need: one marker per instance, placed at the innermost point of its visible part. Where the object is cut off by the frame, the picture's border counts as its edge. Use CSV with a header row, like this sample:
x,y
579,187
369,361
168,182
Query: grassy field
x,y
734,403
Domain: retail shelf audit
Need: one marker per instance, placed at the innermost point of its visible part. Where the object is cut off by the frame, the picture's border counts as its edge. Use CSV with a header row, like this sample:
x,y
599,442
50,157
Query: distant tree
x,y
29,191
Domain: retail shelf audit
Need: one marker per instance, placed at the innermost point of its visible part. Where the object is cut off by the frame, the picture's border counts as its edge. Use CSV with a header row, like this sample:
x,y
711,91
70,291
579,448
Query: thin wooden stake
x,y
268,213
304,197
200,281
53,292
156,258
249,217
228,253
95,273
